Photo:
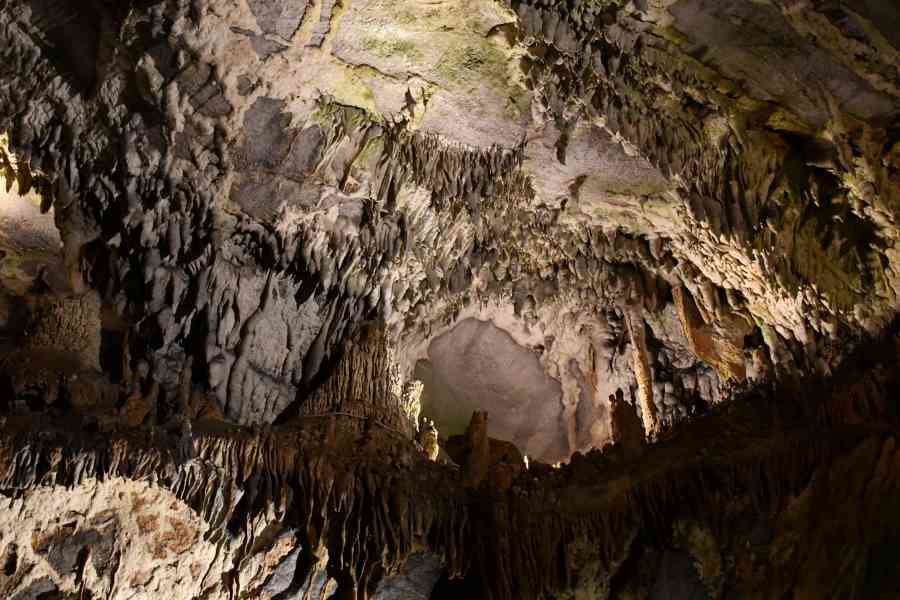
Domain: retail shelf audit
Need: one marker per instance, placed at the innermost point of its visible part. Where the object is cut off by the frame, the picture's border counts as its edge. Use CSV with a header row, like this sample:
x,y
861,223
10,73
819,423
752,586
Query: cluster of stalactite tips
x,y
253,253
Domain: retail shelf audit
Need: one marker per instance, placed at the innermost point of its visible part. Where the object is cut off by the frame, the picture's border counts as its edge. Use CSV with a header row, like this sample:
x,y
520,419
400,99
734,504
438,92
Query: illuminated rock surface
x,y
245,245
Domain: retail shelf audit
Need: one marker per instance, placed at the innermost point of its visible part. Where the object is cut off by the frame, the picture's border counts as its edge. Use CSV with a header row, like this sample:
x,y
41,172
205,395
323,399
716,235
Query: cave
x,y
449,299
477,366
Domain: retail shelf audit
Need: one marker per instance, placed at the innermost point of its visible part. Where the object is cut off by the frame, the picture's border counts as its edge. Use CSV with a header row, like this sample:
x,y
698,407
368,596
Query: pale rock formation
x,y
246,244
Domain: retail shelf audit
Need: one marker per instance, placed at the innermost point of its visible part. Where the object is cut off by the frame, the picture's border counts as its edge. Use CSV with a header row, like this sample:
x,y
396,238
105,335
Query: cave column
x,y
643,372
368,383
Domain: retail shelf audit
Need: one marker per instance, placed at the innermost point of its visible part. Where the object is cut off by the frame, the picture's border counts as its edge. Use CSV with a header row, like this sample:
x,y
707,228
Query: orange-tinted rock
x,y
720,344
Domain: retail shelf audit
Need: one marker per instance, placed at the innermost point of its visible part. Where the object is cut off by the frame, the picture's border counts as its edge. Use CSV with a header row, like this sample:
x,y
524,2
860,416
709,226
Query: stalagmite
x,y
267,266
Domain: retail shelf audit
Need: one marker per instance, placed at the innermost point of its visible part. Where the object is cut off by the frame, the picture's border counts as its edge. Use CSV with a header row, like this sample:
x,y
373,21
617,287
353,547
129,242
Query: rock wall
x,y
683,211
321,507
217,157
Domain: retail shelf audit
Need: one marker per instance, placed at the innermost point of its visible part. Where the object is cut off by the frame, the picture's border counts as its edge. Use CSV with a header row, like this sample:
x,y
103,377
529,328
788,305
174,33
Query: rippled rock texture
x,y
604,223
245,183
769,496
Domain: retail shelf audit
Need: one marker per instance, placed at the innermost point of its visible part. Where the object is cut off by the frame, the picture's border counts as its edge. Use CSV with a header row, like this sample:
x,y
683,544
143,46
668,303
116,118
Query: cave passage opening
x,y
30,242
478,366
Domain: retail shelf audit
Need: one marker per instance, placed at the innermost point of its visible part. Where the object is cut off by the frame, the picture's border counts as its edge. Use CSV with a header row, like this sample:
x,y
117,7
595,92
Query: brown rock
x,y
627,429
719,344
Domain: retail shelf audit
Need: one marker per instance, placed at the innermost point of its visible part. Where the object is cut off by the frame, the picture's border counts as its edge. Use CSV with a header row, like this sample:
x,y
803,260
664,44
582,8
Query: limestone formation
x,y
428,438
500,299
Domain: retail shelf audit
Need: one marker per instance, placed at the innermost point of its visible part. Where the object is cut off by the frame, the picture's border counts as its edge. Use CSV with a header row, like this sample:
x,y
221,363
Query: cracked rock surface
x,y
246,245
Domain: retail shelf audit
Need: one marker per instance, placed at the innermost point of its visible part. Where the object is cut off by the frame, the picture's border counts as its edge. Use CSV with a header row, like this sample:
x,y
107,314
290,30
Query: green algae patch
x,y
392,47
471,64
351,90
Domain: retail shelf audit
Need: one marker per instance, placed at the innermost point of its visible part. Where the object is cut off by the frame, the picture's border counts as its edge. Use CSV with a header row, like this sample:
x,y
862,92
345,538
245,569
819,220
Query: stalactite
x,y
642,370
273,211
391,501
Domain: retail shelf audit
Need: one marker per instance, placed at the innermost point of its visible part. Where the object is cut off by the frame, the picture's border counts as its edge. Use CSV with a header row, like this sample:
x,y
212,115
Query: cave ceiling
x,y
596,221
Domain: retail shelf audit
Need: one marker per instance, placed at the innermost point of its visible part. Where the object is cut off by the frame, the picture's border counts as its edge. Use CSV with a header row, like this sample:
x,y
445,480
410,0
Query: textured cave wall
x,y
219,167
29,239
807,476
589,357
684,211
476,366
105,537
